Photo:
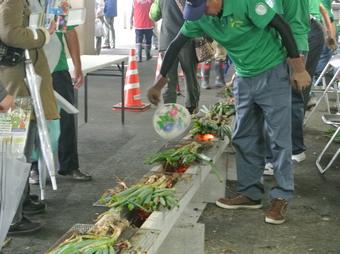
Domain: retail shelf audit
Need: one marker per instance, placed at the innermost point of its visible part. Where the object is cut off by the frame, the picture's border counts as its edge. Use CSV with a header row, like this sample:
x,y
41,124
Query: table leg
x,y
76,96
85,100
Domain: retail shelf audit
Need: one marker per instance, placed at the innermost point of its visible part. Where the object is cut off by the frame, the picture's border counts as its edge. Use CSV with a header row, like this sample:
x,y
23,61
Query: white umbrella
x,y
13,178
33,82
42,176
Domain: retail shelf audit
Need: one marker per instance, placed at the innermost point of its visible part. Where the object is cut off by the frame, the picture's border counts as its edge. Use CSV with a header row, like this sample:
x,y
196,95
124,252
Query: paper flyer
x,y
14,127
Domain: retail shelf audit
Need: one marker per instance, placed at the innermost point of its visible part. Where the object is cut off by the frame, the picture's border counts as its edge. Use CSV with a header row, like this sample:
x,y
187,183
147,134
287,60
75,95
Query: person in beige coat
x,y
14,17
14,32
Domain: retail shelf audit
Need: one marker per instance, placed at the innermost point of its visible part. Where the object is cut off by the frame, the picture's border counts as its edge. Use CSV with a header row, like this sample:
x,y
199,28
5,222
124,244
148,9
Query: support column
x,y
86,31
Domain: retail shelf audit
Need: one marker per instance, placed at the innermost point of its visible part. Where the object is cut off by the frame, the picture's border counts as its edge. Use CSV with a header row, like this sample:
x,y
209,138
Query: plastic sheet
x,y
171,121
13,178
33,82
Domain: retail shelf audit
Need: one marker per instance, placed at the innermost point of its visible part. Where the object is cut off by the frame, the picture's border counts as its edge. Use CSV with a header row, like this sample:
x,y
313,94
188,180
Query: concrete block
x,y
231,166
212,189
184,239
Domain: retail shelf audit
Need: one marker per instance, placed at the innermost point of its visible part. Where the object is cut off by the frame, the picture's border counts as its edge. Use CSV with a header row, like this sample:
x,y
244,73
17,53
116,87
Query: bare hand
x,y
331,43
154,93
52,27
6,103
300,80
300,77
78,79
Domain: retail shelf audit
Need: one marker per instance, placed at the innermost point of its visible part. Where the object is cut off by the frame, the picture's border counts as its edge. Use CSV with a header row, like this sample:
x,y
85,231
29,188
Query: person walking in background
x,y
143,27
219,59
172,21
110,12
99,25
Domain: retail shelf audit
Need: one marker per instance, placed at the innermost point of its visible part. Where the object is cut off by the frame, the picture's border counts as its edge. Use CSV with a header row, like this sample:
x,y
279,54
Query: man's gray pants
x,y
263,100
187,59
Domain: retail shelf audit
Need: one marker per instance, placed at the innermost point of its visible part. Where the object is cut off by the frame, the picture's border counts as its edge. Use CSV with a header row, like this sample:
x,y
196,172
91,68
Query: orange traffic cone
x,y
132,94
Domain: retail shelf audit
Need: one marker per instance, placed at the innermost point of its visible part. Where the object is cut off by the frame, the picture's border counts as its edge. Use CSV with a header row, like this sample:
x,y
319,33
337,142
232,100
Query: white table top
x,y
94,62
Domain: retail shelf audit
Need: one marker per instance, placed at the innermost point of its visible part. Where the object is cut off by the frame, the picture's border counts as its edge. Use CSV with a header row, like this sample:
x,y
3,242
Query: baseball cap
x,y
194,9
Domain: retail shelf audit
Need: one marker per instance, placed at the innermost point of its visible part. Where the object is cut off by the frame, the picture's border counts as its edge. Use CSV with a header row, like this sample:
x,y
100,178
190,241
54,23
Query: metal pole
x,y
85,102
122,91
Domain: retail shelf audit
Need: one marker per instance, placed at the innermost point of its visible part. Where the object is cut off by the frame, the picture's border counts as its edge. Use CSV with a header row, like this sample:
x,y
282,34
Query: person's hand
x,y
300,78
52,27
6,103
78,79
154,93
331,43
131,24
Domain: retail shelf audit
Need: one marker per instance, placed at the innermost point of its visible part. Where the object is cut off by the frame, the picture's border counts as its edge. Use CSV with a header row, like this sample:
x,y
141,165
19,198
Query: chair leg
x,y
337,91
318,160
323,95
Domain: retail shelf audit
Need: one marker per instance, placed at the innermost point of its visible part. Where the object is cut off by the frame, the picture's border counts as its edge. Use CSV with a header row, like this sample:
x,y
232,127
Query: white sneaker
x,y
268,169
299,157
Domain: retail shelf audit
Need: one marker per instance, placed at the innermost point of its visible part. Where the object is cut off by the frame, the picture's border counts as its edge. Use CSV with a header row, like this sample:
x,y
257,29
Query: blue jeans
x,y
144,33
326,55
263,100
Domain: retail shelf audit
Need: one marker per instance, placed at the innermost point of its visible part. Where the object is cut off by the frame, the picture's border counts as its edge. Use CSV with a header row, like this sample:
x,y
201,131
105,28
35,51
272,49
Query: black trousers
x,y
316,42
67,147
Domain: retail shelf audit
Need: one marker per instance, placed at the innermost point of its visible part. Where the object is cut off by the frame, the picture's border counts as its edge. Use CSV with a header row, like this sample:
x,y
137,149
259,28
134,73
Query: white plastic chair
x,y
334,120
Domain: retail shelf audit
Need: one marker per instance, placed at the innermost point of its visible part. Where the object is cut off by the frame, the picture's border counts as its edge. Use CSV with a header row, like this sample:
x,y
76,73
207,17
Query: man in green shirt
x,y
296,13
63,84
330,45
262,91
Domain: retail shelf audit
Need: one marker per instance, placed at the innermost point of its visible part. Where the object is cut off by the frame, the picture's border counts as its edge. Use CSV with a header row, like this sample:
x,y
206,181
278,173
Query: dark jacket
x,y
172,21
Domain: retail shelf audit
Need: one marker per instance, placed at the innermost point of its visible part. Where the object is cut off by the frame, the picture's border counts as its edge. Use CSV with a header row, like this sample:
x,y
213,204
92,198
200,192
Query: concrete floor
x,y
108,149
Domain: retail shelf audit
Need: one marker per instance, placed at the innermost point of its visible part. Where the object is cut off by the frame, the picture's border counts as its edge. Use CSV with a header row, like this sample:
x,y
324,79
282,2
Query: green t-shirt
x,y
243,30
62,64
328,5
296,13
314,9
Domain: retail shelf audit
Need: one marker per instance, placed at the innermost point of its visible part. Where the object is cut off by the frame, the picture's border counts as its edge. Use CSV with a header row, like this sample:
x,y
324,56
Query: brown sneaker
x,y
238,201
277,211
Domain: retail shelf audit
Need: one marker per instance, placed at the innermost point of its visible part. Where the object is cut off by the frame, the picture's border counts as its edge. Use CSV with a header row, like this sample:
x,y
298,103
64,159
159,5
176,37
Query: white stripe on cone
x,y
132,59
131,72
131,86
136,97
